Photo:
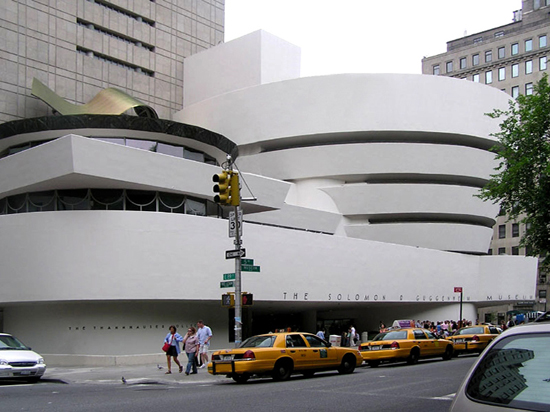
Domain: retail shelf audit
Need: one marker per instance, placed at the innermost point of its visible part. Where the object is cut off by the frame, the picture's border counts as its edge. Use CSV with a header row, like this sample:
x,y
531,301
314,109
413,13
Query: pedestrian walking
x,y
204,333
173,339
191,345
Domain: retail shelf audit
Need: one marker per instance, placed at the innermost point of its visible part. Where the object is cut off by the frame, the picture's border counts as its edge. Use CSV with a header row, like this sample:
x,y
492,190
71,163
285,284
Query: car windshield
x,y
514,373
11,343
470,331
392,335
264,341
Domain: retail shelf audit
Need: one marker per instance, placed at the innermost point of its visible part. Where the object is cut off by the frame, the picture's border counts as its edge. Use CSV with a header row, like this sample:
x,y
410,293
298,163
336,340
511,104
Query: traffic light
x,y
235,189
228,300
223,188
247,299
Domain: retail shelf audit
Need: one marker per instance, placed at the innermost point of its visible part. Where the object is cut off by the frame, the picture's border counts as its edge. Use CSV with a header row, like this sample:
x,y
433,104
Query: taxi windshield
x,y
265,341
470,331
392,335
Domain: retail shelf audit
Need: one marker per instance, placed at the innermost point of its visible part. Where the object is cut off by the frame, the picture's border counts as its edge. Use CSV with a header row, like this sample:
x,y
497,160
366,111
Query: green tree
x,y
522,184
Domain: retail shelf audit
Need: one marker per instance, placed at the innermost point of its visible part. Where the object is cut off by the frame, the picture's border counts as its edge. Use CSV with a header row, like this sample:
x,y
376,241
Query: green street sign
x,y
229,284
250,268
247,261
228,276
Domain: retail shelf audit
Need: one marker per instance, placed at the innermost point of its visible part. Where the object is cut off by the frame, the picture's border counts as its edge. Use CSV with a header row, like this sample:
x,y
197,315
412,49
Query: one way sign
x,y
232,254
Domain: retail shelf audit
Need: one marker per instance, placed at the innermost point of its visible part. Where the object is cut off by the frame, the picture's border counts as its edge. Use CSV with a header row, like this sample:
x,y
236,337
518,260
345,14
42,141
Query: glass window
x,y
436,70
502,231
515,250
475,59
529,67
542,294
148,145
418,334
501,52
195,207
515,70
501,250
141,200
513,373
75,199
258,342
501,74
193,155
294,341
488,56
168,149
515,49
515,92
449,67
542,63
542,41
463,62
515,229
41,201
475,78
490,252
315,342
528,89
528,45
488,77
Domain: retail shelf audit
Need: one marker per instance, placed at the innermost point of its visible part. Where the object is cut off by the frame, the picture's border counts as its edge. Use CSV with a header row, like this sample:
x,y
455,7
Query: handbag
x,y
167,345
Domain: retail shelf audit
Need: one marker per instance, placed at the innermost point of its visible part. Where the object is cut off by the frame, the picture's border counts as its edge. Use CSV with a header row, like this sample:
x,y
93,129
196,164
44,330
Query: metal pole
x,y
238,288
460,320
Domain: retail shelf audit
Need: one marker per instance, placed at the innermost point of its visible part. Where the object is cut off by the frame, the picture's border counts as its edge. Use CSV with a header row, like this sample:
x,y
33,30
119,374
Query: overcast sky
x,y
366,36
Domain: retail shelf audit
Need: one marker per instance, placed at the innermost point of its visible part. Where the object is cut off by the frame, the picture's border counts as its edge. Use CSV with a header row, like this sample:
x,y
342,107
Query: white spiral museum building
x,y
365,210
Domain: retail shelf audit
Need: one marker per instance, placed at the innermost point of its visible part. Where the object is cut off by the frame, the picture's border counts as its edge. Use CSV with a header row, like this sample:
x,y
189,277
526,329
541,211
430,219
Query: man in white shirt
x,y
204,333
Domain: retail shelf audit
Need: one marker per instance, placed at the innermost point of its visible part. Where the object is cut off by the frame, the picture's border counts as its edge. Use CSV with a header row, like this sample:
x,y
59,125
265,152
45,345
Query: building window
x,y
515,229
478,40
490,252
542,294
528,45
499,34
528,89
542,41
488,77
501,250
529,67
436,70
501,52
463,62
542,63
449,67
488,56
515,250
515,92
515,70
515,49
475,59
475,78
501,231
501,74
542,279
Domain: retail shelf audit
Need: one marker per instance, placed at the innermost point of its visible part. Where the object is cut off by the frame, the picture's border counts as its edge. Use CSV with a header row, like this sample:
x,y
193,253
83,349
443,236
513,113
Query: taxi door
x,y
436,347
298,350
426,345
319,354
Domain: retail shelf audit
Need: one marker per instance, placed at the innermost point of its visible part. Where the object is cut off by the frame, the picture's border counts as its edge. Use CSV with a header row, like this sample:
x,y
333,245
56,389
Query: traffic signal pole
x,y
238,288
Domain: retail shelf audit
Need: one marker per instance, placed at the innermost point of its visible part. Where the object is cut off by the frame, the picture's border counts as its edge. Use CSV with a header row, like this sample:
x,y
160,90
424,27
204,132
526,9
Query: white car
x,y
17,361
512,374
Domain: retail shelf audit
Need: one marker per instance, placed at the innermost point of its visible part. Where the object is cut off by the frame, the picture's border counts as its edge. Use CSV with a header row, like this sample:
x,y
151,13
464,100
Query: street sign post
x,y
228,284
250,268
228,276
458,289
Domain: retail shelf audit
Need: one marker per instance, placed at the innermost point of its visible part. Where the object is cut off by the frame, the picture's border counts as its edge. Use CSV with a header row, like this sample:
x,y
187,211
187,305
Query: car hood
x,y
19,355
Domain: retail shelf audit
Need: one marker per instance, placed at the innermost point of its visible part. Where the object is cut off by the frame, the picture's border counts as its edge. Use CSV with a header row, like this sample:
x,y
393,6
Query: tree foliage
x,y
522,184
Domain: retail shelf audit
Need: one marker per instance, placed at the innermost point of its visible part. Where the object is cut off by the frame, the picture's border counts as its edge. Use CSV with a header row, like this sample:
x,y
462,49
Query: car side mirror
x,y
329,344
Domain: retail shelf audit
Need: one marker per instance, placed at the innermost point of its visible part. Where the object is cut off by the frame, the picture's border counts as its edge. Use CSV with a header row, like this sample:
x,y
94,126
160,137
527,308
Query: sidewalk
x,y
127,375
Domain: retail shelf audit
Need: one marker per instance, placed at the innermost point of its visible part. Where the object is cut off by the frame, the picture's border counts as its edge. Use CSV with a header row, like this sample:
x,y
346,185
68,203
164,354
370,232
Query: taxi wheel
x,y
448,353
347,365
282,370
413,357
240,378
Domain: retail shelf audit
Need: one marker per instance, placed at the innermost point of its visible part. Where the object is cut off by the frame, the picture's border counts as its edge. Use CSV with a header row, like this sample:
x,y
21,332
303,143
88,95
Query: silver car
x,y
512,374
17,361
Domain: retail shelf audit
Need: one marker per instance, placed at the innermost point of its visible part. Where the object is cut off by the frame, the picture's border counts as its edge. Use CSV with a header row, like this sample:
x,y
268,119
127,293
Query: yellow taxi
x,y
280,355
473,339
405,344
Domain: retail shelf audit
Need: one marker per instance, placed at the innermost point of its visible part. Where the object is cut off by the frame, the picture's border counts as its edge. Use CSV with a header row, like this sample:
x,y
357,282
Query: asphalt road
x,y
427,386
